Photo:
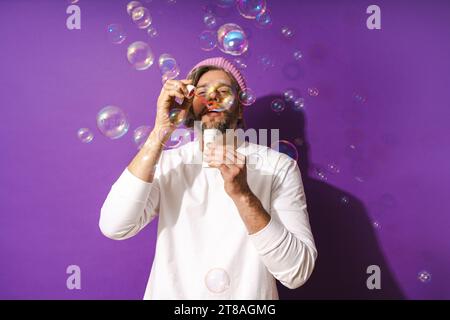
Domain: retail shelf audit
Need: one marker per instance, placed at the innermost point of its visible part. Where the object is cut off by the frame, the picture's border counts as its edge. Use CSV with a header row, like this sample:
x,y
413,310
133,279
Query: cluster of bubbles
x,y
231,38
139,53
112,122
293,99
217,280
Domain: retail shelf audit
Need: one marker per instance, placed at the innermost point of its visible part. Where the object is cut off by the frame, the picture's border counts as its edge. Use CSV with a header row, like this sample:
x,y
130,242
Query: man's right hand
x,y
171,89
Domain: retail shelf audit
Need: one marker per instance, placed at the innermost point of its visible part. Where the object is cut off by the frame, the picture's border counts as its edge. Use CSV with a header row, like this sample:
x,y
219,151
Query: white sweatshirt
x,y
203,249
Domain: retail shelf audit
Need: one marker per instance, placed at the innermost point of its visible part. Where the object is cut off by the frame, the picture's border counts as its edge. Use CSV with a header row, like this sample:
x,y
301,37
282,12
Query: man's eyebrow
x,y
220,85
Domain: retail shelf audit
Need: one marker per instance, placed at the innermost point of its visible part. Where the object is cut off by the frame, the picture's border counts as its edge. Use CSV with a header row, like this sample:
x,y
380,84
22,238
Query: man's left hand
x,y
232,166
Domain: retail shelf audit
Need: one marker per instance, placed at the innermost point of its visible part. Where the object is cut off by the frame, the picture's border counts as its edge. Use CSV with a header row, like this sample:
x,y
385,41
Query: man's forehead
x,y
213,83
213,77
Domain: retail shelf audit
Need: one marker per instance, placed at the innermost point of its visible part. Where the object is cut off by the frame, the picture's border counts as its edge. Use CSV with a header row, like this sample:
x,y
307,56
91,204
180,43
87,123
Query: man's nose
x,y
213,94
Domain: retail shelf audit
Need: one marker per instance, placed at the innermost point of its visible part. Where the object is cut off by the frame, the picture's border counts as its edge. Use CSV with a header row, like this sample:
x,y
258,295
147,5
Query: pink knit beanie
x,y
226,65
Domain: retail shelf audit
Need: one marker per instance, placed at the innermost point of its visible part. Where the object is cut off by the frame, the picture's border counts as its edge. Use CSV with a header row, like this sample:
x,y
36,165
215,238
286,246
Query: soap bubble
x,y
208,40
286,32
376,225
247,97
266,62
286,147
277,105
313,92
333,168
424,276
167,76
289,95
168,66
298,103
344,200
320,173
116,34
85,135
359,179
227,102
225,3
251,8
140,55
264,20
298,55
217,280
240,63
359,98
133,5
209,20
140,135
152,32
175,116
232,39
178,137
141,17
112,122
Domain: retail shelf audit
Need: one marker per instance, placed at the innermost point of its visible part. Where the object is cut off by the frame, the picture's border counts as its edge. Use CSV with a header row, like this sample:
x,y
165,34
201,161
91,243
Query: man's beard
x,y
223,124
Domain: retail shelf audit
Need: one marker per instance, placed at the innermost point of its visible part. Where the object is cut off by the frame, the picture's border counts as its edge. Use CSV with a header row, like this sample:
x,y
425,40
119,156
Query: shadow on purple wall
x,y
344,235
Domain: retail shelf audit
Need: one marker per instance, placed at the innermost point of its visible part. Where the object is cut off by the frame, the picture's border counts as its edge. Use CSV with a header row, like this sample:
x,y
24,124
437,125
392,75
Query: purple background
x,y
53,81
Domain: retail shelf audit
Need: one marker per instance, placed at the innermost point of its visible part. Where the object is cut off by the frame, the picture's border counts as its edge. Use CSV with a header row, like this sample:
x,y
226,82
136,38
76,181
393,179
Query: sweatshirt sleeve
x,y
129,206
286,244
